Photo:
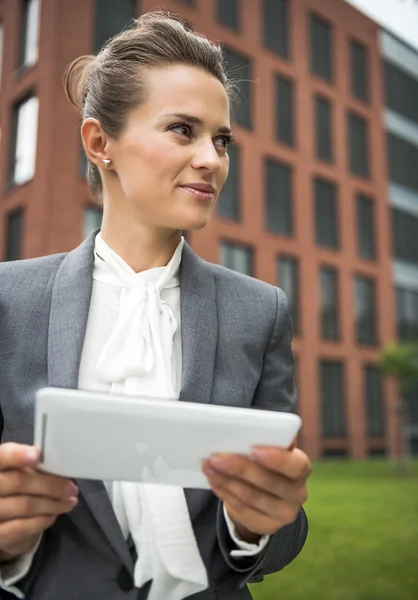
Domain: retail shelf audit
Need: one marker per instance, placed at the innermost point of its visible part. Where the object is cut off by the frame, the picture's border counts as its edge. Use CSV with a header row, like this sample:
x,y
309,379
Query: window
x,y
326,214
276,26
407,314
358,145
365,307
323,129
228,13
284,110
278,197
373,393
110,18
332,399
366,242
237,257
359,71
321,41
329,303
403,161
289,283
229,200
401,91
14,231
405,235
92,219
239,67
24,140
30,33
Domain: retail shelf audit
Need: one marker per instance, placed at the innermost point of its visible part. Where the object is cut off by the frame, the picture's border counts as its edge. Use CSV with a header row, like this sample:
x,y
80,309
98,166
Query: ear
x,y
95,142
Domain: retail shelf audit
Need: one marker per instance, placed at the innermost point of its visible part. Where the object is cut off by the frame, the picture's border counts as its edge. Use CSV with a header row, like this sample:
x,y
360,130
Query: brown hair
x,y
108,86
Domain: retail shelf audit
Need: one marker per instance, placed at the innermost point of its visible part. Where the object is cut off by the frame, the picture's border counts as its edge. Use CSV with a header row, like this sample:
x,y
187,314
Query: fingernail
x,y
220,463
71,489
32,454
73,501
259,454
208,471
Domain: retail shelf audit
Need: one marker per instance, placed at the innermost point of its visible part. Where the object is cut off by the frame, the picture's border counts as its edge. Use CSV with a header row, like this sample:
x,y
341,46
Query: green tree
x,y
400,361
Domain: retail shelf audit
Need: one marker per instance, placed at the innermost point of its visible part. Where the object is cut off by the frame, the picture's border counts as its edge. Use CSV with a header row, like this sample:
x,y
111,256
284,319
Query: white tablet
x,y
96,435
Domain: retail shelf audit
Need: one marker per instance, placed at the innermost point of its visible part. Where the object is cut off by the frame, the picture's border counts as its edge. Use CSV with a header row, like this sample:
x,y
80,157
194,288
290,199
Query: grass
x,y
363,537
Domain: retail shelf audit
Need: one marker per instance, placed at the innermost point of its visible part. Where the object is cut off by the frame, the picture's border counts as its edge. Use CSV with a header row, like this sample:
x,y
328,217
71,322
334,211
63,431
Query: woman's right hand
x,y
30,501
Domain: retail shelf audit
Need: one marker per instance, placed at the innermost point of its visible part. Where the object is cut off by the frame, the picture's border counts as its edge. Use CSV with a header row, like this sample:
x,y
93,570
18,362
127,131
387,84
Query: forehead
x,y
185,89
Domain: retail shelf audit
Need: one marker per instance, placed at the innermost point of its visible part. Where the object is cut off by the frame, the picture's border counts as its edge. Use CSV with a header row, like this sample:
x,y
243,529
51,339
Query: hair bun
x,y
76,79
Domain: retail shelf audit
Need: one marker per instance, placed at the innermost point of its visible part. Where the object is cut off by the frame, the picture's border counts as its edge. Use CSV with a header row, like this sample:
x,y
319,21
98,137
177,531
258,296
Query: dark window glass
x,y
321,51
329,303
110,18
237,257
358,145
323,129
401,91
407,314
289,282
366,242
332,399
359,70
278,197
326,214
405,235
228,203
14,235
239,67
365,306
276,26
373,392
92,219
228,13
403,161
29,32
284,110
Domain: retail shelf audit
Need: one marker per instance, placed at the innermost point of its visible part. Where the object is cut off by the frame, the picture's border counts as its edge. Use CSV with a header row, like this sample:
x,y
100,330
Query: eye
x,y
224,141
181,129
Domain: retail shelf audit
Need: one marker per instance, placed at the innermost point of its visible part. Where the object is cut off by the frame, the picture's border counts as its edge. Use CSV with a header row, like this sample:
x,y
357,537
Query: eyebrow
x,y
192,120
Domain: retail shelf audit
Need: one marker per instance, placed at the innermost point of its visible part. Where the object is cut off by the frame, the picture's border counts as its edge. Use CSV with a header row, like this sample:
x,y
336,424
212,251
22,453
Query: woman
x,y
155,107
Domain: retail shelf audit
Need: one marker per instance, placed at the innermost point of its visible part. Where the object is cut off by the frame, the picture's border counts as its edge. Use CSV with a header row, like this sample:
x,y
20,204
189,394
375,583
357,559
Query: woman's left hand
x,y
263,493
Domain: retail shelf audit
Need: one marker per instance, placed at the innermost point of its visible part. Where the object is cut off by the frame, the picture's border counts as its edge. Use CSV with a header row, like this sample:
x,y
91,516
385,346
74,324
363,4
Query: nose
x,y
206,156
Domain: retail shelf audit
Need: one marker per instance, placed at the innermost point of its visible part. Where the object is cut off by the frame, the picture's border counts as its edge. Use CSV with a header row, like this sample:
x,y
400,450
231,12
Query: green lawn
x,y
363,537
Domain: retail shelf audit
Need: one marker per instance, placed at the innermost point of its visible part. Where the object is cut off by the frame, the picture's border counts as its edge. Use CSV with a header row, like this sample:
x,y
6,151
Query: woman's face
x,y
171,162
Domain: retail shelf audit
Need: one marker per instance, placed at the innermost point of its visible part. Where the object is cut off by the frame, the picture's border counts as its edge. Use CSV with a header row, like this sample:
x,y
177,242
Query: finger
x,y
294,444
251,519
17,507
13,532
250,472
15,456
293,464
256,499
33,483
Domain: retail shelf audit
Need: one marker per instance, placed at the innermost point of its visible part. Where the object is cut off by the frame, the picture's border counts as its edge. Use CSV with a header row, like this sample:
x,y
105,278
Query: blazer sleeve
x,y
275,391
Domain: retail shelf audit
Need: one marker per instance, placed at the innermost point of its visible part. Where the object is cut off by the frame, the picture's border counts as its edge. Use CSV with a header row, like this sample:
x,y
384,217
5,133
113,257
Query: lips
x,y
200,187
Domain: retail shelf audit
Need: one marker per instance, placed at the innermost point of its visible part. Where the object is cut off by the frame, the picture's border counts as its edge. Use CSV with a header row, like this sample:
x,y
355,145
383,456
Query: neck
x,y
141,247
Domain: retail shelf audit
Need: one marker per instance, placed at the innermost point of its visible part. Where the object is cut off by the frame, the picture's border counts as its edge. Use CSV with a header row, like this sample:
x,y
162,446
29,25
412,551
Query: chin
x,y
195,222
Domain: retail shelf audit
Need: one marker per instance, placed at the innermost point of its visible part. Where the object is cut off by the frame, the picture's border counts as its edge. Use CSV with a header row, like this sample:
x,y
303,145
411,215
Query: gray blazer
x,y
236,344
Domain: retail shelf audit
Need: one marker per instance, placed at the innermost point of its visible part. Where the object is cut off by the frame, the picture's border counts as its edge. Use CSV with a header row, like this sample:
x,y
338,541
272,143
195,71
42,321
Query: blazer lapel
x,y
199,327
70,305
